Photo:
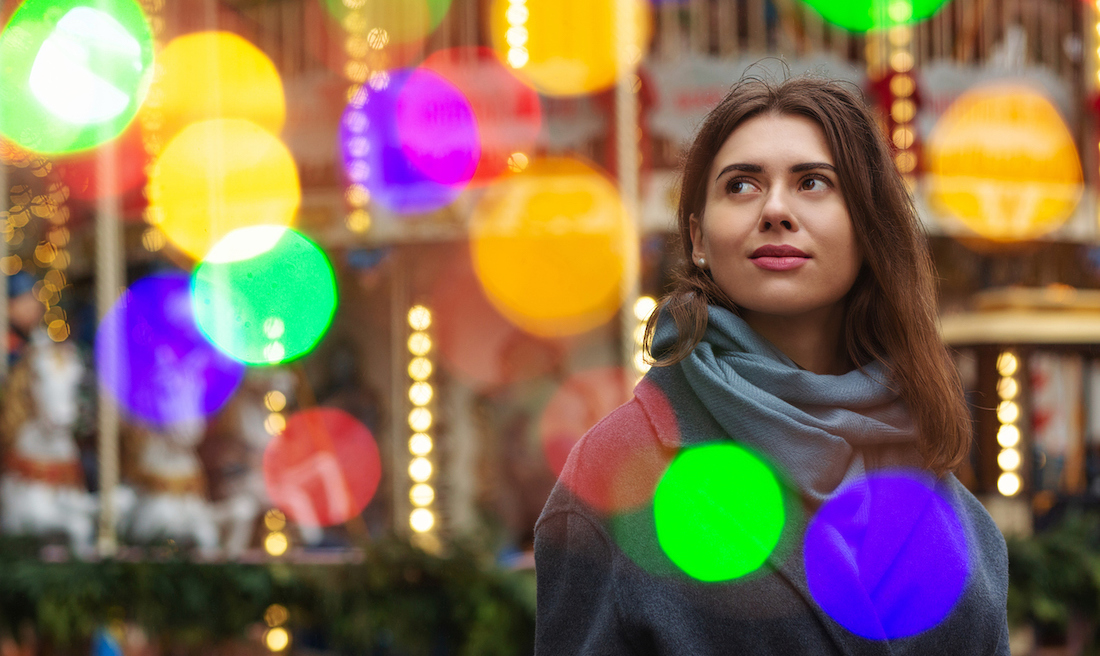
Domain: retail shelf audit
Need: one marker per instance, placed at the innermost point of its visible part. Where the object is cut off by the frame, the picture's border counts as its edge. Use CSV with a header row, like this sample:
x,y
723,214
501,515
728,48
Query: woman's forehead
x,y
774,140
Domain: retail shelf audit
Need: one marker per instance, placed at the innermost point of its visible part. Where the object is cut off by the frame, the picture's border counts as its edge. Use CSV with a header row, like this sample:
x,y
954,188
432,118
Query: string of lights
x,y
276,638
903,109
422,519
47,203
1008,435
276,542
365,49
517,35
152,124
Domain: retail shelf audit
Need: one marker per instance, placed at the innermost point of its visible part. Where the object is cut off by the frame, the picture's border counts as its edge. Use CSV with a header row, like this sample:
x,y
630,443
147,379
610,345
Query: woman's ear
x,y
698,244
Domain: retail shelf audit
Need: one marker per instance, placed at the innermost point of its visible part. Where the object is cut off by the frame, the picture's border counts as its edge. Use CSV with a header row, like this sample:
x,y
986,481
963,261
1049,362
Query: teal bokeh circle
x,y
73,73
264,294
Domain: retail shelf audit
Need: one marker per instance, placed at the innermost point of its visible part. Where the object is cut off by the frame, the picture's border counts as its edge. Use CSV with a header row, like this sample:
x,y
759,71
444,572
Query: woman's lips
x,y
779,263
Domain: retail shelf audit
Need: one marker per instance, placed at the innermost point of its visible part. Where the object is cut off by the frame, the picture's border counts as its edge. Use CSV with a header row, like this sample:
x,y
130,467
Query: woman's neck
x,y
812,340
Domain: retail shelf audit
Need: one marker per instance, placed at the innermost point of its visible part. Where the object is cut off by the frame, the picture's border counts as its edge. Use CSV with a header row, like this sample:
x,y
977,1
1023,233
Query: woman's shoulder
x,y
987,541
618,462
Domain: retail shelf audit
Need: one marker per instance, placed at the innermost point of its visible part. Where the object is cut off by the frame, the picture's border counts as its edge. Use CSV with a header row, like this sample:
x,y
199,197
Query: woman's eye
x,y
814,184
738,186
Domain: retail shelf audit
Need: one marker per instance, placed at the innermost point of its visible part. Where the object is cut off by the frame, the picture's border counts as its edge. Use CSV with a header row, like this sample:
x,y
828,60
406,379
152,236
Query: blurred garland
x,y
401,600
398,600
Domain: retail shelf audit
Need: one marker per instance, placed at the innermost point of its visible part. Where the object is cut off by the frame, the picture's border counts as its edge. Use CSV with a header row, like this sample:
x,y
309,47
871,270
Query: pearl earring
x,y
702,263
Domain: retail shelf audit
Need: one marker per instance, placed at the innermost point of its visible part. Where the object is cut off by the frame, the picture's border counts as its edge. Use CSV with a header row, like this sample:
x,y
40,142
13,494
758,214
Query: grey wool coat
x,y
605,588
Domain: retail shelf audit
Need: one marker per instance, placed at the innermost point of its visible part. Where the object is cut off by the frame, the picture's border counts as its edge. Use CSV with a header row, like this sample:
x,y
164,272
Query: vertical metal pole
x,y
108,279
399,428
626,132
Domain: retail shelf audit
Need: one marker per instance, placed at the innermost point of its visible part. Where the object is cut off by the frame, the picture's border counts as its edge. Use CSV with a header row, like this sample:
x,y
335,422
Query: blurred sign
x,y
687,88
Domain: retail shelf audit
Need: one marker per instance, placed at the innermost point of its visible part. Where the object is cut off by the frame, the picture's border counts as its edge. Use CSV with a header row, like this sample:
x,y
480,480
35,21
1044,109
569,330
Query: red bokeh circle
x,y
323,469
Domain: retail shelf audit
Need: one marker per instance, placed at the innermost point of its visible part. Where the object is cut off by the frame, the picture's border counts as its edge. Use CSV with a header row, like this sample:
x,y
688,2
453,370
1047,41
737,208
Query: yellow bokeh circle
x,y
553,246
208,75
1002,161
568,47
220,175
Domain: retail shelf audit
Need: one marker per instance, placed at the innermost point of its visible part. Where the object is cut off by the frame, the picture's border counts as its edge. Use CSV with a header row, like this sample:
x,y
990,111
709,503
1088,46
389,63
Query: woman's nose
x,y
777,211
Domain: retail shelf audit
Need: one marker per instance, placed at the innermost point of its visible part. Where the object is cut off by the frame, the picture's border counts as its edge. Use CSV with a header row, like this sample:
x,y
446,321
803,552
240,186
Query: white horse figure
x,y
42,487
172,502
246,492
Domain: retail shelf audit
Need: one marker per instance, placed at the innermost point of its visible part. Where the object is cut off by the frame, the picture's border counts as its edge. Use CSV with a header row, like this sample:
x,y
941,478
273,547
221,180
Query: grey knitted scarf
x,y
821,430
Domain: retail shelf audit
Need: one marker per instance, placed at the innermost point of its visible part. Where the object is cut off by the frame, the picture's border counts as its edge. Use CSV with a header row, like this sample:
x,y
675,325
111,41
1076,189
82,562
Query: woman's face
x,y
775,231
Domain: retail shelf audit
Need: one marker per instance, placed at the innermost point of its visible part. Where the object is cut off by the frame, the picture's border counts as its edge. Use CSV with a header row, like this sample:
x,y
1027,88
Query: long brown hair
x,y
890,314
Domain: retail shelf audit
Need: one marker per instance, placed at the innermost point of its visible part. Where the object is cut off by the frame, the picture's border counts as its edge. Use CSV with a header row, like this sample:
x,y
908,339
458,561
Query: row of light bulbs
x,y
276,541
903,110
1008,435
517,35
421,493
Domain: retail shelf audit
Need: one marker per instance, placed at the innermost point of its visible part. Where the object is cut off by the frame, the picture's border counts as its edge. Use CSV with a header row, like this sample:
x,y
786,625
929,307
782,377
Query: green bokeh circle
x,y
864,15
73,73
264,295
719,512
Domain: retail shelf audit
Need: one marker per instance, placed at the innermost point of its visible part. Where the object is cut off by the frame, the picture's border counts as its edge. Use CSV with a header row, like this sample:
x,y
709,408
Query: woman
x,y
780,483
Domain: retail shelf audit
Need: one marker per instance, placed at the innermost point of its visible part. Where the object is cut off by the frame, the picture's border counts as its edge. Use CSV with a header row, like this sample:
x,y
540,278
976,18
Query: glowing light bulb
x,y
1009,460
420,469
274,520
420,444
420,368
274,327
1007,363
643,307
421,494
275,401
902,86
276,614
420,317
1008,412
1008,484
420,343
277,639
421,520
276,543
1008,436
518,161
275,423
420,393
420,419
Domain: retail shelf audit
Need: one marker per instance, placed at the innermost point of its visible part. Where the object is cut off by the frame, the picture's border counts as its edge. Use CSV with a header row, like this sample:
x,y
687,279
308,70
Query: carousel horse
x,y
42,487
243,426
164,464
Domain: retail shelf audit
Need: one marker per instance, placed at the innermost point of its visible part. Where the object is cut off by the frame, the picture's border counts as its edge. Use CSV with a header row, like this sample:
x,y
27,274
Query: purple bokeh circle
x,y
437,128
887,557
154,360
412,143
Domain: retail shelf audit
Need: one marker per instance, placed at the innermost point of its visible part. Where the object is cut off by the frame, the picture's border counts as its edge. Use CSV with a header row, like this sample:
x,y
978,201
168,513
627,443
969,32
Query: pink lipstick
x,y
778,257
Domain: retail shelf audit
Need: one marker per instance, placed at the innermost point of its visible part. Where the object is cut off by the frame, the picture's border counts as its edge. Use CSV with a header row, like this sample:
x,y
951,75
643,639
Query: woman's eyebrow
x,y
809,166
747,168
756,168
